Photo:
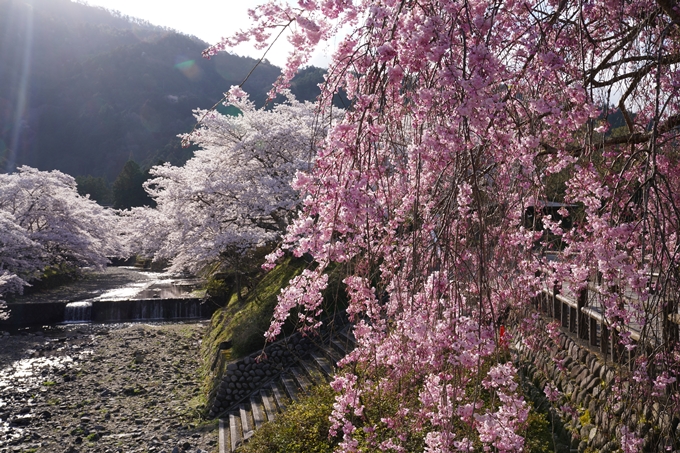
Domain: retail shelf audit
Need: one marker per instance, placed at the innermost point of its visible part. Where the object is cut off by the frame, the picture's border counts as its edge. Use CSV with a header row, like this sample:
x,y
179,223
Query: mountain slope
x,y
84,90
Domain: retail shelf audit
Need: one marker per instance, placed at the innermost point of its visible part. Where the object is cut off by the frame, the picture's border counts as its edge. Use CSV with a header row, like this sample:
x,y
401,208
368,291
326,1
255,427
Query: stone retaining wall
x,y
244,376
586,384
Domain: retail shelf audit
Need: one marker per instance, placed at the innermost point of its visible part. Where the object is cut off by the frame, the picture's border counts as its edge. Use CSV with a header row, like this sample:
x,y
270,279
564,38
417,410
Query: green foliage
x,y
585,418
242,320
52,277
538,437
218,289
252,321
97,188
302,428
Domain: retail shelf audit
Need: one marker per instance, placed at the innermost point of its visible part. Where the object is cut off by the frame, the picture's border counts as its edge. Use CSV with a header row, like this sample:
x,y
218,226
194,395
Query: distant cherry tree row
x,y
233,195
45,223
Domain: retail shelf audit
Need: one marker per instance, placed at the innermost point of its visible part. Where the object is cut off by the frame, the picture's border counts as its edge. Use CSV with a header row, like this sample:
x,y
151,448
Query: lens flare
x,y
188,67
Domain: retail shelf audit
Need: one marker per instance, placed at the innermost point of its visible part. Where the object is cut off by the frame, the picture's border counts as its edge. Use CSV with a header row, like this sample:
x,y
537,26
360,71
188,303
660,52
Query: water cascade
x,y
78,312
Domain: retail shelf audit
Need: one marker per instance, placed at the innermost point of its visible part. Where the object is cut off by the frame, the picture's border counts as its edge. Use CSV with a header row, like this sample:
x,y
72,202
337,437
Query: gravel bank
x,y
103,388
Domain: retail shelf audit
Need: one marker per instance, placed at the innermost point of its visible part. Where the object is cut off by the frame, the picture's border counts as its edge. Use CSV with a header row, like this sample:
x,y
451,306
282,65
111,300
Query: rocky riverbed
x,y
103,388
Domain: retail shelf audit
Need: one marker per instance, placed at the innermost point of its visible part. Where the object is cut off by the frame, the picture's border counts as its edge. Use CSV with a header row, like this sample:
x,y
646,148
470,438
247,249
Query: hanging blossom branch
x,y
464,114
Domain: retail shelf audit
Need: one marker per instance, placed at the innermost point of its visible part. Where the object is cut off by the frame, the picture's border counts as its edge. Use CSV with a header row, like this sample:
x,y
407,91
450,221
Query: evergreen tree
x,y
128,191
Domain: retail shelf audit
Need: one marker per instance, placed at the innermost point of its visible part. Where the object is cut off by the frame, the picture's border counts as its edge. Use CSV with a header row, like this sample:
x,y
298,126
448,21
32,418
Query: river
x,y
112,387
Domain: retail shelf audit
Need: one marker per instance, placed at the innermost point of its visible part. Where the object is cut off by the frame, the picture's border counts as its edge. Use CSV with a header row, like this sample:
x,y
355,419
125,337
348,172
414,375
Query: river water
x,y
117,283
116,295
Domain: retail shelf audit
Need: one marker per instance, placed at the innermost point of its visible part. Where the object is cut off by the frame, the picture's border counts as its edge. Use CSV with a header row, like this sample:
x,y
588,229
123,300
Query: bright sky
x,y
209,20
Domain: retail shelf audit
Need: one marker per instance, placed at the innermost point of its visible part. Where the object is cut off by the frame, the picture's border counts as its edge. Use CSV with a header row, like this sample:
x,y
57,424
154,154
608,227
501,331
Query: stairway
x,y
265,403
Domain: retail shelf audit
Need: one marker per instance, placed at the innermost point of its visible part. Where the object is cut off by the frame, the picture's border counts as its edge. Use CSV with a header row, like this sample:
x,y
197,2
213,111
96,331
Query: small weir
x,y
134,310
149,310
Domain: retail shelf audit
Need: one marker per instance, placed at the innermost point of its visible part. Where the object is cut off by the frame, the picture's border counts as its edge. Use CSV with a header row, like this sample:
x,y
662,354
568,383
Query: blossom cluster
x,y
45,222
235,193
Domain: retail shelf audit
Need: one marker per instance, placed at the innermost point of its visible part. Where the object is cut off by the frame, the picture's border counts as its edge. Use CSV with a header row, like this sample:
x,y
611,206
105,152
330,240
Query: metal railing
x,y
582,313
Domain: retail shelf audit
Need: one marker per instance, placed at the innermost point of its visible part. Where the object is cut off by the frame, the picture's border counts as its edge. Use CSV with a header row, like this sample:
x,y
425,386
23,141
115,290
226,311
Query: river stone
x,y
138,357
582,377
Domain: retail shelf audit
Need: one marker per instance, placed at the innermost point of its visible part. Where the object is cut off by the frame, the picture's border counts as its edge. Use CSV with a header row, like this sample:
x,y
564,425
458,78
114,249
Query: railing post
x,y
614,334
581,302
537,301
557,306
669,322
592,332
614,344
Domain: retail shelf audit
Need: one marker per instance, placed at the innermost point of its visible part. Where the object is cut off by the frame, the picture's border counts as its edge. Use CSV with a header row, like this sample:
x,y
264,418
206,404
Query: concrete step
x,y
264,404
279,396
289,386
269,404
304,383
323,363
346,336
235,436
223,436
257,409
340,346
331,354
313,371
246,423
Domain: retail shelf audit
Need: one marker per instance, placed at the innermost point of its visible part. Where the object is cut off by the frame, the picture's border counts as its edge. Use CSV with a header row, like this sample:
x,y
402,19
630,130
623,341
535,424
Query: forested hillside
x,y
84,90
